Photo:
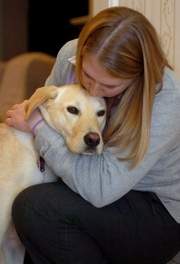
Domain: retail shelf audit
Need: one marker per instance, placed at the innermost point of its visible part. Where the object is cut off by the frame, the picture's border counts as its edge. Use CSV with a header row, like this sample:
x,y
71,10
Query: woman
x,y
124,205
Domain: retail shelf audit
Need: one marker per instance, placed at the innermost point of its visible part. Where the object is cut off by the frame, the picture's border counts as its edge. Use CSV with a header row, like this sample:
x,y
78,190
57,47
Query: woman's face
x,y
97,81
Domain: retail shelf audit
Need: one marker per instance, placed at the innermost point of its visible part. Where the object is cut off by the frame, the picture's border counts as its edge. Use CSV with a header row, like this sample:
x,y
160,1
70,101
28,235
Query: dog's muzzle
x,y
92,140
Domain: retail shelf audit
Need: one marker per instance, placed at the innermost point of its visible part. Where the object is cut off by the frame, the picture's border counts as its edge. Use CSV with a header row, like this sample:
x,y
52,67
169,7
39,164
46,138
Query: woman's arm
x,y
100,179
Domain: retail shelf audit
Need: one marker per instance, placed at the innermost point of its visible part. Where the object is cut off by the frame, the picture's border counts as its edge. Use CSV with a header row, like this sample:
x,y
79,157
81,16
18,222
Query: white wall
x,y
98,5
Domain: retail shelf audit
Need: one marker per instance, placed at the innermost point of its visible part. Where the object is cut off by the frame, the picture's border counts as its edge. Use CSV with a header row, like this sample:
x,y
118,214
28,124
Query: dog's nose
x,y
92,139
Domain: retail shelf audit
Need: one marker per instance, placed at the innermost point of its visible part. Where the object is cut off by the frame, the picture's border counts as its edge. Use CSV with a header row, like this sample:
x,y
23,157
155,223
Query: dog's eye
x,y
73,110
101,113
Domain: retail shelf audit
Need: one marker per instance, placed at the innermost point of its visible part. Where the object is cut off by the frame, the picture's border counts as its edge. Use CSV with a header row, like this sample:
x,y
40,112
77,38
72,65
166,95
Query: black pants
x,y
57,226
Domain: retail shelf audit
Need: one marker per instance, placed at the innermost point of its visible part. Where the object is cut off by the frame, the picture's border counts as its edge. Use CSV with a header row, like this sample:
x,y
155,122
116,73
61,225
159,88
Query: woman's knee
x,y
45,201
21,208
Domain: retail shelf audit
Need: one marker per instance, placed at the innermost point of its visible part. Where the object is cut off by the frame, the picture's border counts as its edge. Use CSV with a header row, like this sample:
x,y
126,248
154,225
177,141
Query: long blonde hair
x,y
127,46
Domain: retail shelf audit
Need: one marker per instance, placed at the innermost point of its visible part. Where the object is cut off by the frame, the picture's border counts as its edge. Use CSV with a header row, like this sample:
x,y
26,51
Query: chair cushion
x,y
20,76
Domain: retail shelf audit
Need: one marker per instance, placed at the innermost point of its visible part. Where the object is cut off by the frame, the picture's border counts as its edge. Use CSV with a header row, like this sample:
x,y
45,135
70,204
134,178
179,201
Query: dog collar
x,y
41,164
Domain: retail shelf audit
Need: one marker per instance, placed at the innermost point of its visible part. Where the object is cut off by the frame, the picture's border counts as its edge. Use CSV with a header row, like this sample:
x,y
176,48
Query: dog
x,y
70,111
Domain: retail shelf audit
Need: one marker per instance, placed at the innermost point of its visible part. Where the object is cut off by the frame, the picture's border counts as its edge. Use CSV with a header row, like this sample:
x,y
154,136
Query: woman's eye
x,y
73,110
101,113
108,87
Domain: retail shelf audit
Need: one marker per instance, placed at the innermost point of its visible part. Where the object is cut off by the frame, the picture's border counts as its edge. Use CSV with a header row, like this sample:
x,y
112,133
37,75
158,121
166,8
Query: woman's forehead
x,y
93,68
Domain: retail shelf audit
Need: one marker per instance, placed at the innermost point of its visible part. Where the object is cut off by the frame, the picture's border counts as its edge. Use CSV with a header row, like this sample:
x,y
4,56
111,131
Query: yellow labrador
x,y
73,113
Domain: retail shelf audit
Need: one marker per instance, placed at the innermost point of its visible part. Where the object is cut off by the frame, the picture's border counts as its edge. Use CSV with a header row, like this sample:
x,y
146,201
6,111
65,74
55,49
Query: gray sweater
x,y
102,179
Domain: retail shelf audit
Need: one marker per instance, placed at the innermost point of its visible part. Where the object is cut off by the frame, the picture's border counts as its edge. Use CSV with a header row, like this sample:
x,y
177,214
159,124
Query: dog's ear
x,y
39,97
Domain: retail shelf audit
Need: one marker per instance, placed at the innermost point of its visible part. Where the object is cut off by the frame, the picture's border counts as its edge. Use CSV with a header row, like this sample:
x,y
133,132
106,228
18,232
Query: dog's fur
x,y
74,114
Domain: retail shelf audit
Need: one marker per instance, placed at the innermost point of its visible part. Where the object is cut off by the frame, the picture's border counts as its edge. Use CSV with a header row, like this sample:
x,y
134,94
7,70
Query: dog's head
x,y
71,111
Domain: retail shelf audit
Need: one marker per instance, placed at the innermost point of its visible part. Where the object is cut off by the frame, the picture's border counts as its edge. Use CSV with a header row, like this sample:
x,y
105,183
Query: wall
x,y
98,5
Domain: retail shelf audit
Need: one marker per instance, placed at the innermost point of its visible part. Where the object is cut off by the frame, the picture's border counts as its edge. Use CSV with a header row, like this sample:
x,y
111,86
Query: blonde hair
x,y
127,46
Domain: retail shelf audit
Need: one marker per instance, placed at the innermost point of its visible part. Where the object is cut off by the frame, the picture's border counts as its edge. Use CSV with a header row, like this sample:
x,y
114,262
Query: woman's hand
x,y
15,117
